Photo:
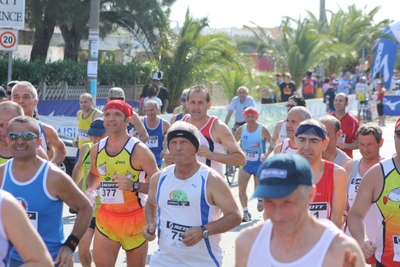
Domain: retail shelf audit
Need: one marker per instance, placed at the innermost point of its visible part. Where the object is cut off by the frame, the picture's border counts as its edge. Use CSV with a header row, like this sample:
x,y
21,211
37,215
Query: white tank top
x,y
286,148
5,245
183,204
260,253
372,220
282,134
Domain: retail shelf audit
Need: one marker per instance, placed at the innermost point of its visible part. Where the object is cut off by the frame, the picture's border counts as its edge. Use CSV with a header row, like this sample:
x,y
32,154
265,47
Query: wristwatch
x,y
135,186
205,231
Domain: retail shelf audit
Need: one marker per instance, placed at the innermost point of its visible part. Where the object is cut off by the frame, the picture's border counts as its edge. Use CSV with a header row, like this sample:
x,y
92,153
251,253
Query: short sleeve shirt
x,y
239,107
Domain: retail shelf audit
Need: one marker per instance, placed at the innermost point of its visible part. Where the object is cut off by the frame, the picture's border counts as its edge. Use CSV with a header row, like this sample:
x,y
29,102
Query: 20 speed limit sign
x,y
8,40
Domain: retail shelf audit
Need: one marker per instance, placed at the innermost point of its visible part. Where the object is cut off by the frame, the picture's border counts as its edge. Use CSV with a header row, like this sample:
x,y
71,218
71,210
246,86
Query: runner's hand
x,y
124,183
204,152
368,248
149,231
192,236
65,257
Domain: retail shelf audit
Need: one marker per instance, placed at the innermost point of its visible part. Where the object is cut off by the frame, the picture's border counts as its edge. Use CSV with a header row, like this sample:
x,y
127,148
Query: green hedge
x,y
74,73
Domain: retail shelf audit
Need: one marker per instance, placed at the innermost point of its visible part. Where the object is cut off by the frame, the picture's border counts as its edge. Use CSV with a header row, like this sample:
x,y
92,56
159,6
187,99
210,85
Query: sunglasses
x,y
397,132
290,106
8,92
26,136
183,100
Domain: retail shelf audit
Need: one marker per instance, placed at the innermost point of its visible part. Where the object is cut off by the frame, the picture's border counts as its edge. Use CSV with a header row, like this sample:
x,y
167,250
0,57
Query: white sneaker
x,y
246,217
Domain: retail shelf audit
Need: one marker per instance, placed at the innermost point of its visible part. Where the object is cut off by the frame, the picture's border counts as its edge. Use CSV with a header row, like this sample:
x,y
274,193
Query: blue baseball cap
x,y
97,128
281,174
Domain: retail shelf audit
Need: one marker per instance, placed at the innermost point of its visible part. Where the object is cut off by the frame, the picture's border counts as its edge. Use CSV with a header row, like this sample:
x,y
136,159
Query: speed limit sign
x,y
8,40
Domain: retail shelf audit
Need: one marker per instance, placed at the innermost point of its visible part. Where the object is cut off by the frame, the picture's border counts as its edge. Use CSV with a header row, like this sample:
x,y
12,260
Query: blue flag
x,y
385,58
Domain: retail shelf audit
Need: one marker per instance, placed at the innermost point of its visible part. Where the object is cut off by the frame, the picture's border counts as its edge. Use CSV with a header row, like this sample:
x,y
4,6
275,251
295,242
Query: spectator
x,y
152,92
238,104
287,88
345,84
163,93
309,85
143,95
354,78
329,96
380,93
326,84
3,94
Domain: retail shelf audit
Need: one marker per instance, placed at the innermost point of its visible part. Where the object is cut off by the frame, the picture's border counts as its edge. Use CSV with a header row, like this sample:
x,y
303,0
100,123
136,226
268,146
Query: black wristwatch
x,y
205,231
135,186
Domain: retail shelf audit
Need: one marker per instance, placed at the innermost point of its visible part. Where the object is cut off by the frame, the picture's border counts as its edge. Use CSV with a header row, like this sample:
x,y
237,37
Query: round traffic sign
x,y
8,39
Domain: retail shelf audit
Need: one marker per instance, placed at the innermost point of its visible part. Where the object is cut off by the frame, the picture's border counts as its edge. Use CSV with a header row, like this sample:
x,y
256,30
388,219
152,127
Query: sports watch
x,y
205,231
135,186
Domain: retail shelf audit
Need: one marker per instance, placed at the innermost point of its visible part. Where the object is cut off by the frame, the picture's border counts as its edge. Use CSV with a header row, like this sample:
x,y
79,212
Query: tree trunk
x,y
72,39
42,37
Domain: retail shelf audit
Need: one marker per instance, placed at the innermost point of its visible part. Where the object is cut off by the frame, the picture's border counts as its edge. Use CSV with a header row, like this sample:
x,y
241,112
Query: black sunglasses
x,y
8,92
290,106
26,136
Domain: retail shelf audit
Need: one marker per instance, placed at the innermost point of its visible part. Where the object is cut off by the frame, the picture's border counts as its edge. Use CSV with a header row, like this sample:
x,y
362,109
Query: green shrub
x,y
74,73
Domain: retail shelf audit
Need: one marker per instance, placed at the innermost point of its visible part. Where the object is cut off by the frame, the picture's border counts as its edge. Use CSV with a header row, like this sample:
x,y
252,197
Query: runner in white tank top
x,y
291,236
260,253
282,134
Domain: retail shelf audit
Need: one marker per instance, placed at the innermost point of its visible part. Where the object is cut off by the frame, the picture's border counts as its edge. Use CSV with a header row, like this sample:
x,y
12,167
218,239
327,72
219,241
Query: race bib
x,y
251,155
173,236
33,218
342,138
83,135
110,194
396,248
353,189
152,142
319,210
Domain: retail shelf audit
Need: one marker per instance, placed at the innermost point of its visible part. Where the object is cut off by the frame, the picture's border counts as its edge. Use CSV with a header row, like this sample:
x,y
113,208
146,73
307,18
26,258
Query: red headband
x,y
250,111
120,105
397,124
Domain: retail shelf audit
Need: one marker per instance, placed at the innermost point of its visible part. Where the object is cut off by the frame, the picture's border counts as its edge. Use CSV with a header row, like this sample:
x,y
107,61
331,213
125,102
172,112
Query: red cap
x,y
120,105
250,111
397,124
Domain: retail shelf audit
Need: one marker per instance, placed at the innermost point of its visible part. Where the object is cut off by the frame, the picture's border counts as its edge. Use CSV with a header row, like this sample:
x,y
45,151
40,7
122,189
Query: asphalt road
x,y
228,239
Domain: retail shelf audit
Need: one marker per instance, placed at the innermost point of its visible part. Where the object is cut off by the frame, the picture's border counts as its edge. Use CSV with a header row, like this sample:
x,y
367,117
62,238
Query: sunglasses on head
x,y
183,100
26,136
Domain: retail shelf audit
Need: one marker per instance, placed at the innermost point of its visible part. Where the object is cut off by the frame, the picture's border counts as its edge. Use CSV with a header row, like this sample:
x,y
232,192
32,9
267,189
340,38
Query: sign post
x,y
93,48
12,16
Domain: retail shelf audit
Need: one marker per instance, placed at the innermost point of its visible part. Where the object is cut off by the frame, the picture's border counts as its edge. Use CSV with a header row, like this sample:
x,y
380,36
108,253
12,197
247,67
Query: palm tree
x,y
299,48
350,32
191,57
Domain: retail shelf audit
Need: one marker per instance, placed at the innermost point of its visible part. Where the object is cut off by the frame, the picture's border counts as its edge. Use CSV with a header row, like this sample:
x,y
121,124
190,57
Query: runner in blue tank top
x,y
41,187
253,137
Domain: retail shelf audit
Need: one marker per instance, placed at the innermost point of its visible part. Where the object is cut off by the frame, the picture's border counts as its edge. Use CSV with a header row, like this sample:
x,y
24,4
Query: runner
x,y
329,178
189,205
292,236
122,168
253,137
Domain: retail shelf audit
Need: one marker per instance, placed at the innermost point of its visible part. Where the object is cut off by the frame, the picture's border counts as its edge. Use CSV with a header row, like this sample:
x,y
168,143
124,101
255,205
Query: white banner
x,y
12,14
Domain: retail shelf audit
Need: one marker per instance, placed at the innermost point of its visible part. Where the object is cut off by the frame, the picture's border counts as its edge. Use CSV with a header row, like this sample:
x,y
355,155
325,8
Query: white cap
x,y
158,75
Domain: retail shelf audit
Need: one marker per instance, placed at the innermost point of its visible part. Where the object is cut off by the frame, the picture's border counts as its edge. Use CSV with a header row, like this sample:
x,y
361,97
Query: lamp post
x,y
93,48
